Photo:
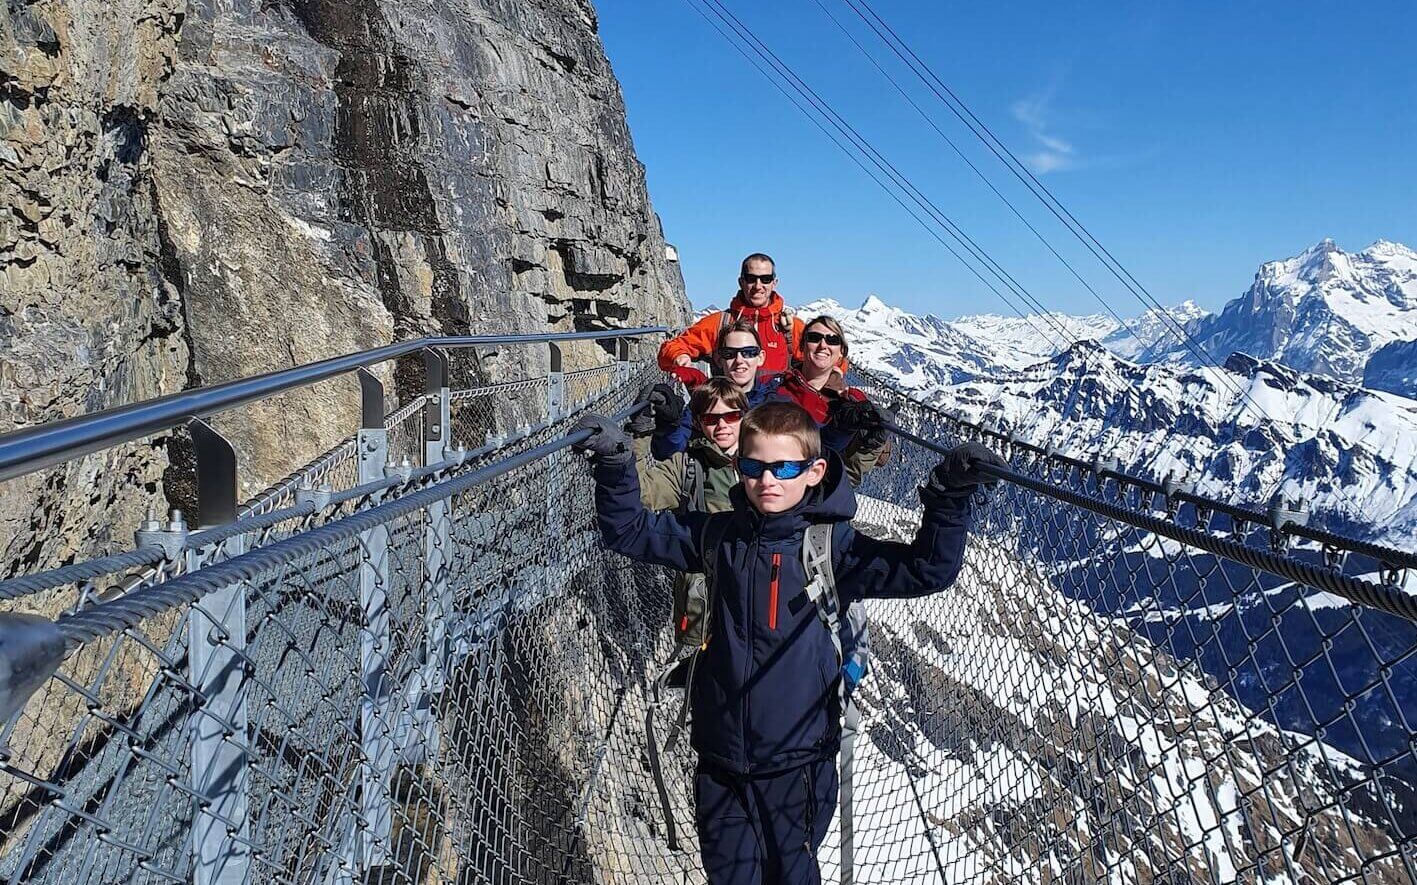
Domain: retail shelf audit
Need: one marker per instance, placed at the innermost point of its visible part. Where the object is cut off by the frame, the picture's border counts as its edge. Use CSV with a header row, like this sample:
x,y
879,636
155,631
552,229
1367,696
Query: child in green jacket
x,y
699,477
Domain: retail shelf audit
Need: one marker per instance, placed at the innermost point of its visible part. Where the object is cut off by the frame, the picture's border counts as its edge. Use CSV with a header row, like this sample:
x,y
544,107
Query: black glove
x,y
860,418
666,409
642,424
876,437
607,442
855,415
959,468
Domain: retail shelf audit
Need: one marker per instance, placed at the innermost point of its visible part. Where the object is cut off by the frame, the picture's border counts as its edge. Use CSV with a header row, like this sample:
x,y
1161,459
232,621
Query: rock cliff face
x,y
197,190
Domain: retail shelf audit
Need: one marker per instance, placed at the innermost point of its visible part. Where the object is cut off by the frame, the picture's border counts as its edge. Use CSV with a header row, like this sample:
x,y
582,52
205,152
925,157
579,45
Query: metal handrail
x,y
35,448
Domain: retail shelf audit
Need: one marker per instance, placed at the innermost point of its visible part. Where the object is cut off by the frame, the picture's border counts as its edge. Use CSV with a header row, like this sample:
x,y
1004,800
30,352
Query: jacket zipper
x,y
772,590
748,657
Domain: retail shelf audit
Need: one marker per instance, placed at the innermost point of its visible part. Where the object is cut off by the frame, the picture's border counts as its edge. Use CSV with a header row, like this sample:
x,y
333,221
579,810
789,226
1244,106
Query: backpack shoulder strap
x,y
821,579
710,539
817,554
849,633
694,480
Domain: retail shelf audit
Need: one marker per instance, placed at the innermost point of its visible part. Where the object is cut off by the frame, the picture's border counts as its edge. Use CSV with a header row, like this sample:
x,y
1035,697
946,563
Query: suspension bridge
x,y
412,661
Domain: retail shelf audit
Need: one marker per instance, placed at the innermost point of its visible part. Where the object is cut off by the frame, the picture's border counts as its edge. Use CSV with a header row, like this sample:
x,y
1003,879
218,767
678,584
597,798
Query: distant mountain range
x,y
1286,412
1282,411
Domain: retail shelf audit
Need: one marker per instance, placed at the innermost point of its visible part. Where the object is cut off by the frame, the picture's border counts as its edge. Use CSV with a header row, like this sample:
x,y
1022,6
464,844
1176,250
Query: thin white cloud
x,y
1043,162
1057,153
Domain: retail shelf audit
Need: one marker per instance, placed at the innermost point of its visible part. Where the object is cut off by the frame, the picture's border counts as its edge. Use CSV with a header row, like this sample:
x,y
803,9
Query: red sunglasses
x,y
711,419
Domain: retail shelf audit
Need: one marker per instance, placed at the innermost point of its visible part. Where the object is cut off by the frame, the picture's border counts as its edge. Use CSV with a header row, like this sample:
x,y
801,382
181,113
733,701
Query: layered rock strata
x,y
197,191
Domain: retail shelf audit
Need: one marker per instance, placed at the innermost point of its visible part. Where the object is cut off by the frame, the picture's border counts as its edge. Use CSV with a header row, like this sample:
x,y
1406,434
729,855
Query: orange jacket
x,y
698,341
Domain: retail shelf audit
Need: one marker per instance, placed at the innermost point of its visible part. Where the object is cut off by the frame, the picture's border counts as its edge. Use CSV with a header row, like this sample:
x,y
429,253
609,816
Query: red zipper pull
x,y
772,591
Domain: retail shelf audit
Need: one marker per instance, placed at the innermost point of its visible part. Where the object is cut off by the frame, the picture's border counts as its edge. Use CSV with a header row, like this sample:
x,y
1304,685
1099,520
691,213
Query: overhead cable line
x,y
882,162
926,74
951,100
924,115
1236,388
784,79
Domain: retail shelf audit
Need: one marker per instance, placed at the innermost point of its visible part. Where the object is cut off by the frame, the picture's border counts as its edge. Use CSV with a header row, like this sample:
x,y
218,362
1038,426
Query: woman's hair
x,y
717,389
748,327
832,326
781,419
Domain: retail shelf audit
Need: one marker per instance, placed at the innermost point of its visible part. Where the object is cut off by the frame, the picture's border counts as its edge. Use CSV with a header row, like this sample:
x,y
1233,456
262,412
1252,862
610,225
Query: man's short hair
x,y
757,256
716,390
781,419
747,327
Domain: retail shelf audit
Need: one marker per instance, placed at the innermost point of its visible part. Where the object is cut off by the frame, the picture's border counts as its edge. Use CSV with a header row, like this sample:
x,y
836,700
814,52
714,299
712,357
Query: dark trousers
x,y
764,830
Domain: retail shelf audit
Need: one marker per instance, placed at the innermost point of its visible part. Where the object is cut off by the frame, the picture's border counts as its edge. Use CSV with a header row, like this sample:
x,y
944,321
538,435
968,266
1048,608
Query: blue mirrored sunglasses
x,y
753,468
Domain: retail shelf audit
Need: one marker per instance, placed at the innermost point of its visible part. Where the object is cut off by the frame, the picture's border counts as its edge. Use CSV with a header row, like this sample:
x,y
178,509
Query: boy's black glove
x,y
665,410
642,424
959,468
862,418
607,442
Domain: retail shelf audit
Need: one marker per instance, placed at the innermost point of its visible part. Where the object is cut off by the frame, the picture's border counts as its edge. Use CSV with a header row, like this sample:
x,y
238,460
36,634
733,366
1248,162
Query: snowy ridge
x,y
1324,310
1242,433
1024,341
921,352
927,351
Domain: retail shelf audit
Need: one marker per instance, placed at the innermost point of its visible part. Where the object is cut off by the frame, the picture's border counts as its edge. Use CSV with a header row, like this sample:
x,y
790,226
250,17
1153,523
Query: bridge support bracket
x,y
555,386
622,360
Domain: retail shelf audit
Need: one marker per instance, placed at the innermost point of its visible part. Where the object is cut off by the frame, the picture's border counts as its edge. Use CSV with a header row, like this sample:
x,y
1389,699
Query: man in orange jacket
x,y
758,302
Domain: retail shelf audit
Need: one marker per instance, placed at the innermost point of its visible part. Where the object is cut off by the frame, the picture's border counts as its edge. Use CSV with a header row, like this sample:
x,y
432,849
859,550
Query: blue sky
x,y
1194,139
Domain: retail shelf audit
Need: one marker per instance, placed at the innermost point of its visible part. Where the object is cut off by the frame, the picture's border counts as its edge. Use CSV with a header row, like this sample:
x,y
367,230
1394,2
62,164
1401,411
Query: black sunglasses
x,y
763,278
750,352
819,337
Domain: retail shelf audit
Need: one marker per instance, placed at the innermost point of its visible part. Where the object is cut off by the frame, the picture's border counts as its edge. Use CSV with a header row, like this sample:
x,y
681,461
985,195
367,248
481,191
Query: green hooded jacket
x,y
664,485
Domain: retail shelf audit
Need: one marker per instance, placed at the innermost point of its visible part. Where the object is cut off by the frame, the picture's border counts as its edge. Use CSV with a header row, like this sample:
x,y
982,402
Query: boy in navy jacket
x,y
766,714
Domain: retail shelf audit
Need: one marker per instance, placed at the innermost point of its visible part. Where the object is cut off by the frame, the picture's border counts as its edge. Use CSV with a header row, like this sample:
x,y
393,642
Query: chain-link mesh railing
x,y
1093,702
444,680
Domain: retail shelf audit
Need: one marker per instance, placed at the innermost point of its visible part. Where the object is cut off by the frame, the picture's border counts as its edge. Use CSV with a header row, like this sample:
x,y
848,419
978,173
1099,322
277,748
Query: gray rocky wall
x,y
198,190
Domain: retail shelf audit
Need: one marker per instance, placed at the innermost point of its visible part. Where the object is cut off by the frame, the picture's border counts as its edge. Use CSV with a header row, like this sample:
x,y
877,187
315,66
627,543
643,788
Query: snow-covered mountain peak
x,y
1384,272
1392,252
873,304
1324,310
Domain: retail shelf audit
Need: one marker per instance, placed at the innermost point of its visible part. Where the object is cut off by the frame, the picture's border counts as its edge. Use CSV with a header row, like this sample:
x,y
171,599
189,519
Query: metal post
x,y
436,410
437,541
555,387
216,640
622,360
374,822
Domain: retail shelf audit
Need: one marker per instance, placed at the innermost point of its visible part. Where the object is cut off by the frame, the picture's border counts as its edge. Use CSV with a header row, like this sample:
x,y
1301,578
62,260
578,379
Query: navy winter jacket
x,y
765,694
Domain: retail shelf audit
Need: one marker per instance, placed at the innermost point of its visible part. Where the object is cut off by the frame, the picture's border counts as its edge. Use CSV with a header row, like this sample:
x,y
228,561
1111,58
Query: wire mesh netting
x,y
446,682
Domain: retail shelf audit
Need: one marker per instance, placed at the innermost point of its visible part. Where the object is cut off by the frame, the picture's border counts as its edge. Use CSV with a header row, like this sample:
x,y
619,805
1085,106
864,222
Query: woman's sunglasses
x,y
711,419
750,352
819,337
754,468
763,278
